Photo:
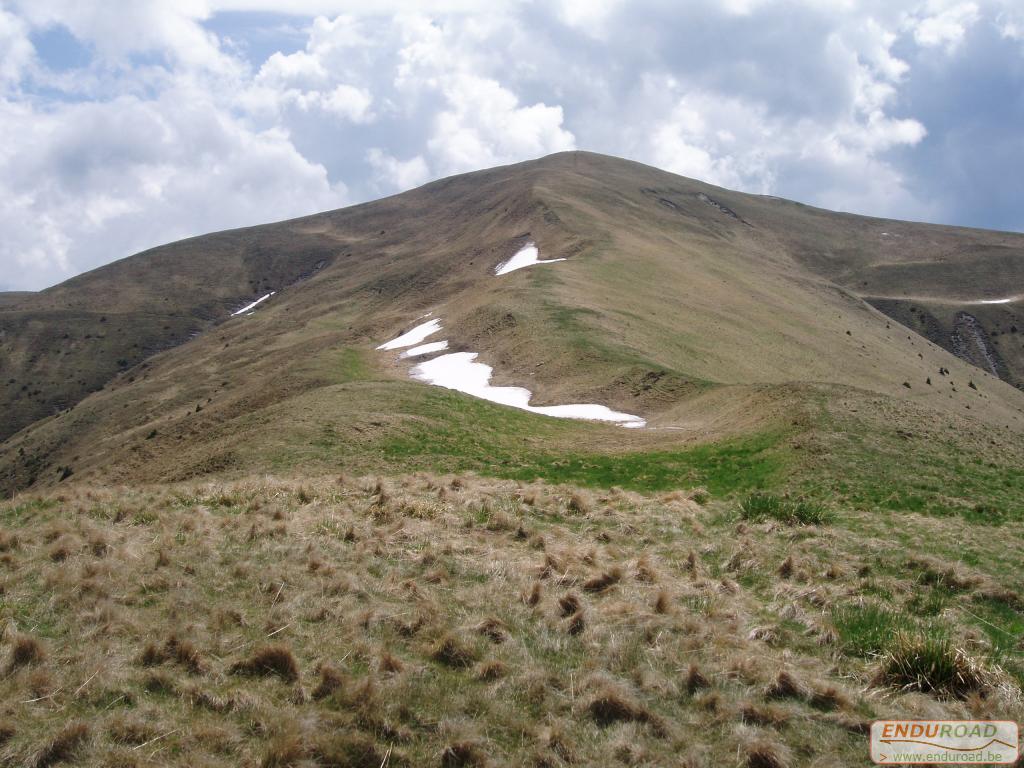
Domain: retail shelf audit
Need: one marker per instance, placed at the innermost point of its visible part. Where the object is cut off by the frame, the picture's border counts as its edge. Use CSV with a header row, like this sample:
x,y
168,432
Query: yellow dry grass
x,y
429,620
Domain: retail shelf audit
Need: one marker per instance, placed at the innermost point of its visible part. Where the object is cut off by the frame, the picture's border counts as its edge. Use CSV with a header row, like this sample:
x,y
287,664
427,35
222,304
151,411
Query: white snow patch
x,y
458,371
426,349
415,336
996,301
249,307
524,257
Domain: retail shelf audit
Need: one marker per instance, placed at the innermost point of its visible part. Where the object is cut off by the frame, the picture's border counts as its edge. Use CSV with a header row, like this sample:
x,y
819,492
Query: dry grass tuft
x,y
203,699
786,686
493,629
462,754
491,670
452,651
63,747
568,604
552,568
268,661
611,703
7,732
555,740
934,573
605,581
761,751
692,563
764,714
645,571
533,595
160,682
61,550
695,679
576,624
131,729
390,664
829,697
174,649
331,680
580,504
787,567
25,650
348,749
662,601
284,751
8,541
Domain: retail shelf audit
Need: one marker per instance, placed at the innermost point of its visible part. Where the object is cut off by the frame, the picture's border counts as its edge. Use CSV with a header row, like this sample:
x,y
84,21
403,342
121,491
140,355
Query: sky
x,y
131,123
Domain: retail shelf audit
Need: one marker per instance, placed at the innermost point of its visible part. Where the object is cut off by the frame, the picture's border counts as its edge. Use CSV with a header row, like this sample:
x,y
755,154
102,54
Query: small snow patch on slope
x,y
249,307
527,256
1009,300
415,336
458,371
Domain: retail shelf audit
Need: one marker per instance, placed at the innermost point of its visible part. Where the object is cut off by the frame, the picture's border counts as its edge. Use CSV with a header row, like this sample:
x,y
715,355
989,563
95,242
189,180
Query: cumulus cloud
x,y
483,124
90,182
184,118
944,23
16,51
393,174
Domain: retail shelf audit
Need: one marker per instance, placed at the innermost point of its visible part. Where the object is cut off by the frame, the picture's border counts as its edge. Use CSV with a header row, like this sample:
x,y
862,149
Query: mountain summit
x,y
697,311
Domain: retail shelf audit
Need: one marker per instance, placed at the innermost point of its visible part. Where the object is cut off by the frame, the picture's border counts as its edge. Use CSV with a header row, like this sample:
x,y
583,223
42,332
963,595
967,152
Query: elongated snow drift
x,y
458,371
415,336
252,306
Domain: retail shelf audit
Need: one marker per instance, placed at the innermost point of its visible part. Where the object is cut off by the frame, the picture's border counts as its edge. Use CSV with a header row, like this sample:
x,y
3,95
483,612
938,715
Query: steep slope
x,y
961,288
708,313
58,345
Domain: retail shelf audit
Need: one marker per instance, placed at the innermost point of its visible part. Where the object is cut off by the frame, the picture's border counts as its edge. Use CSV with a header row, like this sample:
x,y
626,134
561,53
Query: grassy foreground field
x,y
458,620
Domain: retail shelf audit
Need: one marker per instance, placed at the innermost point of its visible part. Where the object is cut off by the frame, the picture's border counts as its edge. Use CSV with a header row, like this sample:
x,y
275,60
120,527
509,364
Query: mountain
x,y
246,527
706,312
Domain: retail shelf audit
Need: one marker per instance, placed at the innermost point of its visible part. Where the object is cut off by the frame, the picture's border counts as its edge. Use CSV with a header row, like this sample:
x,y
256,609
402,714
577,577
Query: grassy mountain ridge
x,y
677,300
333,564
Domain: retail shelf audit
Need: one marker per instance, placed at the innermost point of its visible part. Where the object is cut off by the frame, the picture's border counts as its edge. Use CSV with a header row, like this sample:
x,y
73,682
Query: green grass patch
x,y
985,514
1003,625
722,468
758,507
927,660
874,466
867,629
23,512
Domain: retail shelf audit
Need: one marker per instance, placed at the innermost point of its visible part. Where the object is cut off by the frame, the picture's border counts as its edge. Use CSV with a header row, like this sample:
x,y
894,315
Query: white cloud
x,y
87,183
317,78
484,125
944,24
591,16
721,141
118,29
394,174
16,50
170,129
